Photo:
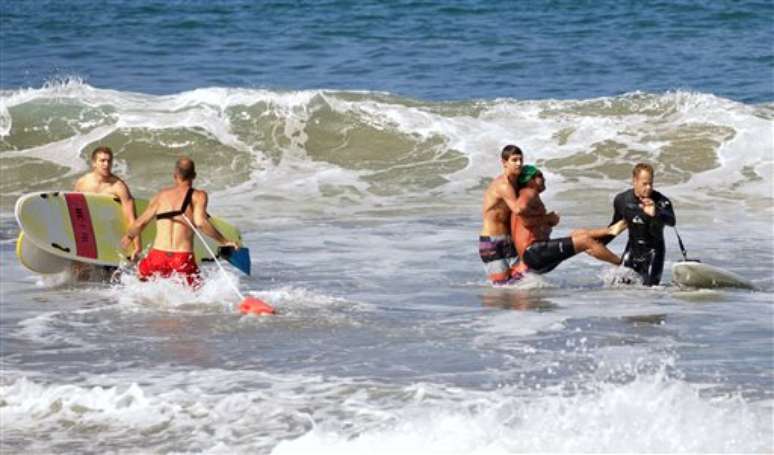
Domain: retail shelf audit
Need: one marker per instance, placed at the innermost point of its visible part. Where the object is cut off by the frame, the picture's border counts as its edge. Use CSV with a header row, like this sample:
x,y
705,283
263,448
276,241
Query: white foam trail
x,y
39,329
173,292
290,296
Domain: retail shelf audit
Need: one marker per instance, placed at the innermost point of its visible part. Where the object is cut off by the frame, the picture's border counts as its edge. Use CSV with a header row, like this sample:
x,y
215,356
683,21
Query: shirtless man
x,y
495,244
172,251
101,180
538,252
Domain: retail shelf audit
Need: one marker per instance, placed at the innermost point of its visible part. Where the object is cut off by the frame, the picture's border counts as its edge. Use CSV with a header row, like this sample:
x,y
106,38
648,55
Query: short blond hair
x,y
639,167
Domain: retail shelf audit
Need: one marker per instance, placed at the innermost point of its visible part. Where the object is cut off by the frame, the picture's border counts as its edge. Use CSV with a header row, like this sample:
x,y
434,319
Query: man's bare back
x,y
174,234
176,215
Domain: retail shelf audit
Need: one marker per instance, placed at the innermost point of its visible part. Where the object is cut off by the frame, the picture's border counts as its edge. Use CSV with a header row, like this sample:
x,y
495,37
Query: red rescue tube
x,y
254,305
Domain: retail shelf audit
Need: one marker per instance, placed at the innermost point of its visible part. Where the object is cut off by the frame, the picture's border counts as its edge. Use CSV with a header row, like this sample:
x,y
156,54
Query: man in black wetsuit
x,y
646,212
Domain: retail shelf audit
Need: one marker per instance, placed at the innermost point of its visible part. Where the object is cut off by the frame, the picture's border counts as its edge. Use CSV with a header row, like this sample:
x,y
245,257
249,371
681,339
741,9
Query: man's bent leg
x,y
599,233
617,228
583,240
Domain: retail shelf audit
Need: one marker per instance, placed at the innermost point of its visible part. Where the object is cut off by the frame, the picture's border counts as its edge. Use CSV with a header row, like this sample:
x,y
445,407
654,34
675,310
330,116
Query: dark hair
x,y
101,149
510,150
642,167
185,168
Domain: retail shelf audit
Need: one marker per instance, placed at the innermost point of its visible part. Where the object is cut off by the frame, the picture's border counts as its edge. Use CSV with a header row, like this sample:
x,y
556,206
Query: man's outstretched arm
x,y
127,206
139,224
202,222
617,216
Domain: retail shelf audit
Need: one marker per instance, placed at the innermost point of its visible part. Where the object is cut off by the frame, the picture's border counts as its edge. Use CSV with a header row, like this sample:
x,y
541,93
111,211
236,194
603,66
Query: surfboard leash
x,y
682,247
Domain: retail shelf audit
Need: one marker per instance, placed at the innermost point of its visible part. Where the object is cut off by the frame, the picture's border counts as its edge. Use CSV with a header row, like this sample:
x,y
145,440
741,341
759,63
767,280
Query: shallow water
x,y
389,341
351,144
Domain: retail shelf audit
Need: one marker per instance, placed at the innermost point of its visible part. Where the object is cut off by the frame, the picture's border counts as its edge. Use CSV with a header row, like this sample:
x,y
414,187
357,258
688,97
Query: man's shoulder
x,y
114,179
528,195
661,201
625,194
625,197
165,192
496,186
199,195
657,195
118,182
529,192
84,179
497,181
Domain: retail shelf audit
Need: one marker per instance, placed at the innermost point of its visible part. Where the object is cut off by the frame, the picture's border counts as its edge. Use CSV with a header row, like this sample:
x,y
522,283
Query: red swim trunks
x,y
165,263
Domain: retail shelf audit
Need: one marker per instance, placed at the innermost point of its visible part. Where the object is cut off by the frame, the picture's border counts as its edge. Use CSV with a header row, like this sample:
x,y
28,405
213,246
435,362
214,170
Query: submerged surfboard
x,y
699,275
86,227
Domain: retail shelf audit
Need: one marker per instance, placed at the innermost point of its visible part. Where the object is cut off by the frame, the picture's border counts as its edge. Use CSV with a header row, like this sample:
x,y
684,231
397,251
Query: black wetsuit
x,y
645,249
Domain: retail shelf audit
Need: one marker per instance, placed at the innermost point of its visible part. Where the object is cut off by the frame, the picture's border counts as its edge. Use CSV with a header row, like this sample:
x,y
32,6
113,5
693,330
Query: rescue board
x,y
699,275
86,227
37,259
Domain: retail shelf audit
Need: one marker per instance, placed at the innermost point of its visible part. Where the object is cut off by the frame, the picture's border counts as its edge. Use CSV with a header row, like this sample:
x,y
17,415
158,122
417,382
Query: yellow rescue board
x,y
38,260
88,227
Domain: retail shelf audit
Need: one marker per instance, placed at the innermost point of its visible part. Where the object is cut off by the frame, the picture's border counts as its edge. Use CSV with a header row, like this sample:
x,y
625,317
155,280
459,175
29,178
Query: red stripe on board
x,y
85,243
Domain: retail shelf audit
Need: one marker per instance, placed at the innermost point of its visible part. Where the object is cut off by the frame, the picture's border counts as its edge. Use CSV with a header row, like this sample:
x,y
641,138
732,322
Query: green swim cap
x,y
527,172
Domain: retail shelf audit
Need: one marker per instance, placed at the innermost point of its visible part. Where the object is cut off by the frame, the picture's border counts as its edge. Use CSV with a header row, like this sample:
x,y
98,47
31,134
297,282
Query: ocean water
x,y
351,143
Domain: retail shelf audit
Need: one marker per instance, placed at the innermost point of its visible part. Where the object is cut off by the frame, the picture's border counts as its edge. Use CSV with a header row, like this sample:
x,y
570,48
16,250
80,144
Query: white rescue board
x,y
700,275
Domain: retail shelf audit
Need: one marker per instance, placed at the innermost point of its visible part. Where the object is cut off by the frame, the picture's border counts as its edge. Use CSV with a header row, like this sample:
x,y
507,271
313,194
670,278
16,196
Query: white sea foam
x,y
650,414
38,328
546,130
506,326
292,296
215,293
244,412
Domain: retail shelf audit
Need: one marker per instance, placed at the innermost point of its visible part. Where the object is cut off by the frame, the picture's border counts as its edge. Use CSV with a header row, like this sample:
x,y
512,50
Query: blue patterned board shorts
x,y
500,258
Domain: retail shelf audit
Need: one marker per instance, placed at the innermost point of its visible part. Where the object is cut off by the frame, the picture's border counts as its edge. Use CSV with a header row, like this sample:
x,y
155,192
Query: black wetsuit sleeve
x,y
665,214
618,206
665,211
